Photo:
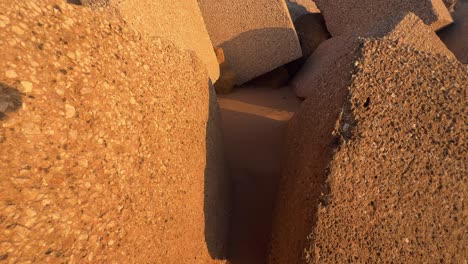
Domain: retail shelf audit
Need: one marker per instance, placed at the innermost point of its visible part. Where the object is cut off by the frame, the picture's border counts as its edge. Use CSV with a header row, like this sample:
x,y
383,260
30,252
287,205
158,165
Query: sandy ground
x,y
254,122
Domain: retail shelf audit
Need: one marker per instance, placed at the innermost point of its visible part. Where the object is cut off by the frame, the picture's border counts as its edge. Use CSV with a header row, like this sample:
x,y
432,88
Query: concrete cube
x,y
256,36
349,16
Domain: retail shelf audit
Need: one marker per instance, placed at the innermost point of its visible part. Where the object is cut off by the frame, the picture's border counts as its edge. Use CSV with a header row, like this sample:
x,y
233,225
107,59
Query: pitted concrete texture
x,y
395,190
178,21
298,8
335,57
397,187
350,16
257,36
109,145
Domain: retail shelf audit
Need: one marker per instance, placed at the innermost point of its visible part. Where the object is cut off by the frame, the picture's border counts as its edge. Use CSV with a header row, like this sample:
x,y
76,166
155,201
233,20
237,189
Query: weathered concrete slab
x,y
351,16
256,36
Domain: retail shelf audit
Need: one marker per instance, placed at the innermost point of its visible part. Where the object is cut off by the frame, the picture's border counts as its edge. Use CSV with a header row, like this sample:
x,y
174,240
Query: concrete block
x,y
256,36
333,61
111,153
178,21
350,16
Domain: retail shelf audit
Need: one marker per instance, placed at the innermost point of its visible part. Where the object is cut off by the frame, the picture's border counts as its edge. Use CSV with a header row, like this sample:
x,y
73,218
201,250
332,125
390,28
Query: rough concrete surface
x,y
397,186
335,57
101,159
312,136
178,21
298,8
254,121
256,36
344,17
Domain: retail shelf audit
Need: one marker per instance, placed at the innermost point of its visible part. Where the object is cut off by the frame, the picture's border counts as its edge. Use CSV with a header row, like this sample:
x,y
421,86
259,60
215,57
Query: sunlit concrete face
x,y
256,36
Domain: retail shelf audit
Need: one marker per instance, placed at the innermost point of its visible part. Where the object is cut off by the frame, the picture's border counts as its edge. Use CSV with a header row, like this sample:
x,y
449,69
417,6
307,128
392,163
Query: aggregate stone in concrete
x,y
375,159
109,145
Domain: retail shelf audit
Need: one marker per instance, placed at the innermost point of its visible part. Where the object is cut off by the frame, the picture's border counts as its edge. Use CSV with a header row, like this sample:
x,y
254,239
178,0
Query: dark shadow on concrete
x,y
74,2
268,49
253,154
296,10
10,100
217,200
303,185
455,36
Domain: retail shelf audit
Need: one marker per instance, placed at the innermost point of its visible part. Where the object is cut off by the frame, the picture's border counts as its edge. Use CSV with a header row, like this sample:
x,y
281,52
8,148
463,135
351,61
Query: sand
x,y
399,144
101,159
180,22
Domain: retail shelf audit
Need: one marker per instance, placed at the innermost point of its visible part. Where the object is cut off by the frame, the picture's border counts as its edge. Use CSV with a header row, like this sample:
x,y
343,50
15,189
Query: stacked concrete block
x,y
256,36
314,133
178,21
343,17
335,57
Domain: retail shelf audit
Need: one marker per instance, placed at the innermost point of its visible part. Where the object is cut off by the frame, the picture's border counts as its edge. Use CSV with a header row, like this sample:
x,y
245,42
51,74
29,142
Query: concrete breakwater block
x,y
256,36
334,207
396,183
110,148
346,16
335,57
